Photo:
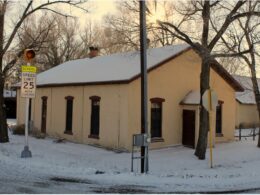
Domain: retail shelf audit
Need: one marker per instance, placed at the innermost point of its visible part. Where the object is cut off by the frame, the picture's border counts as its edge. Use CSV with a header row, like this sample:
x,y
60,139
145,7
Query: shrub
x,y
19,129
37,134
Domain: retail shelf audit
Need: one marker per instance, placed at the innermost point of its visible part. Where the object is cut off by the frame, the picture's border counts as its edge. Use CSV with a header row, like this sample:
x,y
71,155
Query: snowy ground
x,y
76,168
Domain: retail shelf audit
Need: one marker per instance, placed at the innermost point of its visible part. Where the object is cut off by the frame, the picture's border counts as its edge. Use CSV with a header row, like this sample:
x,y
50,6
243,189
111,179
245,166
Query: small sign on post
x,y
206,100
28,85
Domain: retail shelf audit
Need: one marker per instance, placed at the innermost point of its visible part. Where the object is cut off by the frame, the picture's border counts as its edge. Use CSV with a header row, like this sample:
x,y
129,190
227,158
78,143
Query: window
x,y
156,117
95,117
69,114
219,118
44,114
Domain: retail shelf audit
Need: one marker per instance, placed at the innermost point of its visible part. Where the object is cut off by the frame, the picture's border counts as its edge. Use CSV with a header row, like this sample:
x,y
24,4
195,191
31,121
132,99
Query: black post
x,y
254,133
143,47
240,128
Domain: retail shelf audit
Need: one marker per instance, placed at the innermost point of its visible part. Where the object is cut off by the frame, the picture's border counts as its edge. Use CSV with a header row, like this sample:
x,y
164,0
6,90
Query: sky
x,y
97,9
102,7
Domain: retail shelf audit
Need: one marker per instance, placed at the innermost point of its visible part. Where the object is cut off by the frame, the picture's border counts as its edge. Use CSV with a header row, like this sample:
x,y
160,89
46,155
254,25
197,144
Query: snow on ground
x,y
248,133
77,168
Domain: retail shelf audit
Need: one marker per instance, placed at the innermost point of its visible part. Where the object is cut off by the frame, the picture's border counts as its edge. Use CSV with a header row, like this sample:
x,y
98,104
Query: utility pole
x,y
143,48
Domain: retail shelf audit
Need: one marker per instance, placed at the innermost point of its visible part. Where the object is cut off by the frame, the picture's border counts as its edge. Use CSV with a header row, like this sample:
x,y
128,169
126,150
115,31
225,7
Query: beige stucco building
x,y
97,100
246,110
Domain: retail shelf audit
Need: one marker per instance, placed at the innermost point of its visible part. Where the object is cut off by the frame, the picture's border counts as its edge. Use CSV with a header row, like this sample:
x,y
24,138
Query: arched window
x,y
219,118
95,117
69,114
156,117
44,114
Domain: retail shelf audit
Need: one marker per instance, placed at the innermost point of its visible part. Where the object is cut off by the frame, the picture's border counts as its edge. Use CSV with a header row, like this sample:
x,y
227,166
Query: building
x,y
246,113
97,100
10,103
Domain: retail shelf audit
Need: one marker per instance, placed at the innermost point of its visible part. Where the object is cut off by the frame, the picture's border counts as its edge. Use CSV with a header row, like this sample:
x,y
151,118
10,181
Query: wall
x,y
172,82
246,113
20,111
113,106
226,94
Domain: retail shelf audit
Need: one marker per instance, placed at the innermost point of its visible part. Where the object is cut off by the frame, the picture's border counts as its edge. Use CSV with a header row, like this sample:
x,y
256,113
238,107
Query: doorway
x,y
219,118
188,125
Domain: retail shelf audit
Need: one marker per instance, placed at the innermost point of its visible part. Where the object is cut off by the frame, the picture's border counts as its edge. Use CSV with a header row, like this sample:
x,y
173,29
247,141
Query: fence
x,y
247,131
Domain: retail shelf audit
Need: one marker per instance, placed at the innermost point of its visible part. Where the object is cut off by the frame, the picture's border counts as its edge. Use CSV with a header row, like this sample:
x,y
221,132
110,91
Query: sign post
x,y
28,86
209,102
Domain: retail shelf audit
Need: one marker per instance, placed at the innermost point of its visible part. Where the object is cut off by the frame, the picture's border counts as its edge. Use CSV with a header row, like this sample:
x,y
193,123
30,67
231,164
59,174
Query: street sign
x,y
28,84
205,100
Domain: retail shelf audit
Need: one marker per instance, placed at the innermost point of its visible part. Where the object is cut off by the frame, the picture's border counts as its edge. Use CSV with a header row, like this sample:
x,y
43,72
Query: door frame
x,y
193,111
44,111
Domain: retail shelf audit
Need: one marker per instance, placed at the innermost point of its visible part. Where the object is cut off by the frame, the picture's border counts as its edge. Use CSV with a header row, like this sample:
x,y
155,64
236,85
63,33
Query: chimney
x,y
93,52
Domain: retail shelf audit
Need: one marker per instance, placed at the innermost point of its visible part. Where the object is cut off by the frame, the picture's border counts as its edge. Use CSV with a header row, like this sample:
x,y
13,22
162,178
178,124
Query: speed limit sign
x,y
28,84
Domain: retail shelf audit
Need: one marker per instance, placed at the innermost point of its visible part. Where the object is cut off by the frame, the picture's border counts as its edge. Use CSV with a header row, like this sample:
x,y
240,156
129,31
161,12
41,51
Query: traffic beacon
x,y
29,54
28,85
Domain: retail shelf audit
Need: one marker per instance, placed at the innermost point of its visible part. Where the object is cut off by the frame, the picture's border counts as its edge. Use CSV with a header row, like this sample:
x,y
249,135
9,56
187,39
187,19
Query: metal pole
x,y
26,153
143,47
210,127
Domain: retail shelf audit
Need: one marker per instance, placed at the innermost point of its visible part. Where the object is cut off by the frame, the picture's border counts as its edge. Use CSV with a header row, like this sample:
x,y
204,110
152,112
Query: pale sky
x,y
102,7
97,9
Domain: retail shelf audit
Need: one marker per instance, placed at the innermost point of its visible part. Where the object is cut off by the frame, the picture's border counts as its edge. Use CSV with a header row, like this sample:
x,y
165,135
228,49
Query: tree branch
x,y
225,25
226,55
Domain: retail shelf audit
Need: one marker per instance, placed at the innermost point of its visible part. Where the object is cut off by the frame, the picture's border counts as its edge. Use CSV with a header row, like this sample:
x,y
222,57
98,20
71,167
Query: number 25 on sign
x,y
28,84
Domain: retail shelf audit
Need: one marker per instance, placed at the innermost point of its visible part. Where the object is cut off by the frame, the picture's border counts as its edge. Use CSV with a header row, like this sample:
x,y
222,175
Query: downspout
x,y
82,115
119,122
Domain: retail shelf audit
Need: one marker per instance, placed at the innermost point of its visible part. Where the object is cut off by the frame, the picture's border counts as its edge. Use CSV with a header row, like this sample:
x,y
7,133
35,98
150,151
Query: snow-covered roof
x,y
192,98
116,67
246,97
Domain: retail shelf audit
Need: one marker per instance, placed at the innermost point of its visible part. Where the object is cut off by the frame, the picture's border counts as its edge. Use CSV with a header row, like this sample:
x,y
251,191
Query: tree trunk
x,y
201,147
3,125
257,95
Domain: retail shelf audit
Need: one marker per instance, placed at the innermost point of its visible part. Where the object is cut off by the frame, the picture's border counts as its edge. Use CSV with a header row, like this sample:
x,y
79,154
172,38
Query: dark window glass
x,y
44,114
69,112
95,110
156,119
219,119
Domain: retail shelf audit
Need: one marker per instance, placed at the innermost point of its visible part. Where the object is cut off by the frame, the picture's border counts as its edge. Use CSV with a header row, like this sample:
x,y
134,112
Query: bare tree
x,y
7,41
122,28
245,35
204,41
93,35
63,42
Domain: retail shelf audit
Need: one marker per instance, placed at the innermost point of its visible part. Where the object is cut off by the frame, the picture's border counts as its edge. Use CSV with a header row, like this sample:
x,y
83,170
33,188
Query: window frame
x,y
219,134
158,102
68,130
44,101
94,133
